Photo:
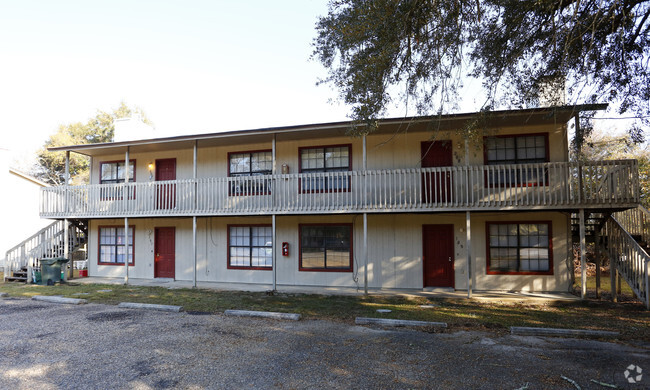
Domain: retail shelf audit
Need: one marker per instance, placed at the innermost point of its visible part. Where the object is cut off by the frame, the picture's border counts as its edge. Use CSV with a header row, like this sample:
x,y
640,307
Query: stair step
x,y
16,279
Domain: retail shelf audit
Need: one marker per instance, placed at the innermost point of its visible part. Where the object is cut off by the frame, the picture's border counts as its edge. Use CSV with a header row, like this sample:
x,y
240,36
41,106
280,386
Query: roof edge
x,y
333,125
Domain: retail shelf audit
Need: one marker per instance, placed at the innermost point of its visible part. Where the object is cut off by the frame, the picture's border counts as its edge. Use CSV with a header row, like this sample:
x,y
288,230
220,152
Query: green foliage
x,y
51,165
419,51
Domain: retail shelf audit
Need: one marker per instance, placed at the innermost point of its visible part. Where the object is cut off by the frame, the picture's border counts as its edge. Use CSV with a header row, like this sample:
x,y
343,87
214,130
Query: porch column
x,y
126,250
66,248
126,219
66,225
274,247
194,249
613,271
583,257
597,259
468,245
365,253
194,176
365,217
274,236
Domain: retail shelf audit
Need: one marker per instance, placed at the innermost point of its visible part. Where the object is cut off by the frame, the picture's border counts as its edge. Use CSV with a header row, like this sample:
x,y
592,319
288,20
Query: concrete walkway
x,y
500,296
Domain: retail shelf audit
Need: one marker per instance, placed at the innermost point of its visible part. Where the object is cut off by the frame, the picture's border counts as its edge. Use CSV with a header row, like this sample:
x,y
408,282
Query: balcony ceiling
x,y
494,119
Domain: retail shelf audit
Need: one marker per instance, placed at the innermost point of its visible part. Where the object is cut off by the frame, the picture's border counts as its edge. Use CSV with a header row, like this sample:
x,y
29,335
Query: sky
x,y
193,66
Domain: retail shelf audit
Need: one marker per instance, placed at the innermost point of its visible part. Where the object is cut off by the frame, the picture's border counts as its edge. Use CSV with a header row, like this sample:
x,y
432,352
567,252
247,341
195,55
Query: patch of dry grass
x,y
628,317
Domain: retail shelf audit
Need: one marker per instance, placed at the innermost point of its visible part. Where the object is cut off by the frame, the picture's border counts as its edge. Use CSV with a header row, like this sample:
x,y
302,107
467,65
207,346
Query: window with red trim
x,y
519,248
247,164
111,245
250,247
326,247
329,159
517,149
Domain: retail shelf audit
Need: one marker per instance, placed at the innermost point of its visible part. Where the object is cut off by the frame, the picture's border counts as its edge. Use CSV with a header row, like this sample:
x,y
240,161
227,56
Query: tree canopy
x,y
50,166
419,52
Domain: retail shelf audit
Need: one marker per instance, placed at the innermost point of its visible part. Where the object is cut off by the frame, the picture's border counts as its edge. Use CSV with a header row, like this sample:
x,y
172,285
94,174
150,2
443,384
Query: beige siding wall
x,y
400,150
395,252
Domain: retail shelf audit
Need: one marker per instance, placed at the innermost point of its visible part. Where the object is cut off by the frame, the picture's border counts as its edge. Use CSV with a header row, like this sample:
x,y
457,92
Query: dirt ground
x,y
50,346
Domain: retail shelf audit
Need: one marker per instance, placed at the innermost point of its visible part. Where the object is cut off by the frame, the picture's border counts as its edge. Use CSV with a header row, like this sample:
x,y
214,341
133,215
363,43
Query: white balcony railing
x,y
488,187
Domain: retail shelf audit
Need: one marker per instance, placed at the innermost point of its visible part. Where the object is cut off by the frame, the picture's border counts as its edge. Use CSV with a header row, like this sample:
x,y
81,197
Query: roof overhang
x,y
487,119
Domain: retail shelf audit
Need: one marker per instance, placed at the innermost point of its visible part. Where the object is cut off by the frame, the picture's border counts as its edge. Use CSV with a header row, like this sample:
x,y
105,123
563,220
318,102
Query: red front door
x,y
436,185
438,255
165,252
165,192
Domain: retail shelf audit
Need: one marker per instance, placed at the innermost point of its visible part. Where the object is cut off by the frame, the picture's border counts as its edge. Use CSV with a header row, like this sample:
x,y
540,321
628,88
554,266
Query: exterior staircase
x,y
47,242
625,236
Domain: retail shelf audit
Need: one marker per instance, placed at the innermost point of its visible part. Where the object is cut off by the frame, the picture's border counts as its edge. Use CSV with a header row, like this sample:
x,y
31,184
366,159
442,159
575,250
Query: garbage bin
x,y
51,270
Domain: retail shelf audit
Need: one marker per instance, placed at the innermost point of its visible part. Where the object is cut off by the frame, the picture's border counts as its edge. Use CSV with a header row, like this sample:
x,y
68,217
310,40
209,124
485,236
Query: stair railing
x,y
47,242
636,222
629,258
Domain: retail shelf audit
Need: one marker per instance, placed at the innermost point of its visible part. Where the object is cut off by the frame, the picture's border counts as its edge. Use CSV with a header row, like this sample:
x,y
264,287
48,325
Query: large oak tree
x,y
50,166
419,52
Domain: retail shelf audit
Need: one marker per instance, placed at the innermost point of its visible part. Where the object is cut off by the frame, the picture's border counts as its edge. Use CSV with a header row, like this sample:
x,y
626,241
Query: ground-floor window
x,y
250,247
326,247
519,248
111,245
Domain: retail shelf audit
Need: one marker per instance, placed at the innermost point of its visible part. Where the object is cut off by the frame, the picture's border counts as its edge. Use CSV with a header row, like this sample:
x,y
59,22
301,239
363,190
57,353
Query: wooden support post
x,y
612,278
468,245
619,283
274,252
583,257
365,215
597,259
194,251
195,187
66,247
274,189
126,250
365,253
125,197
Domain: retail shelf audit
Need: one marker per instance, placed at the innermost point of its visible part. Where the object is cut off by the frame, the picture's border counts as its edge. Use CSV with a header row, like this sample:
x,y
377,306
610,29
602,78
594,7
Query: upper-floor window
x,y
114,172
330,160
517,149
247,164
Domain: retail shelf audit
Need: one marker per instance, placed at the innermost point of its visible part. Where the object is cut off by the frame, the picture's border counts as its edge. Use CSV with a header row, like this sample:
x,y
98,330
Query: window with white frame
x,y
250,247
329,160
111,245
244,165
519,247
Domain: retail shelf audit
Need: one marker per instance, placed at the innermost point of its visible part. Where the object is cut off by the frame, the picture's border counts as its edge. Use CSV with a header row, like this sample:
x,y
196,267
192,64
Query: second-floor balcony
x,y
552,186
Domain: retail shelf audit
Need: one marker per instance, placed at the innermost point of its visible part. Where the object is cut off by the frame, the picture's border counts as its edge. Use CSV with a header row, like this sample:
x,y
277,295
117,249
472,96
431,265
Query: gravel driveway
x,y
50,346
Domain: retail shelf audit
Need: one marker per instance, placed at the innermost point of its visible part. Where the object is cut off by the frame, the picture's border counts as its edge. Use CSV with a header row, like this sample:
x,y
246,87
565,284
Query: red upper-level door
x,y
165,192
436,185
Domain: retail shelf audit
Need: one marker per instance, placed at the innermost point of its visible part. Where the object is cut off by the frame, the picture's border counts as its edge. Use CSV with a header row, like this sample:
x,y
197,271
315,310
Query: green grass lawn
x,y
628,317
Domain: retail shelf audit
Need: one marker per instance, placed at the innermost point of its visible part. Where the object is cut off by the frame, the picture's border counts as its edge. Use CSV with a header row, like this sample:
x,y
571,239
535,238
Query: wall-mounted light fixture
x,y
151,168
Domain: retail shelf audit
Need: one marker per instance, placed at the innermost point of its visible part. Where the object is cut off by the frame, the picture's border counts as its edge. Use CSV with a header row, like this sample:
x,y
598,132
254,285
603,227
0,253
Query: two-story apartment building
x,y
416,204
